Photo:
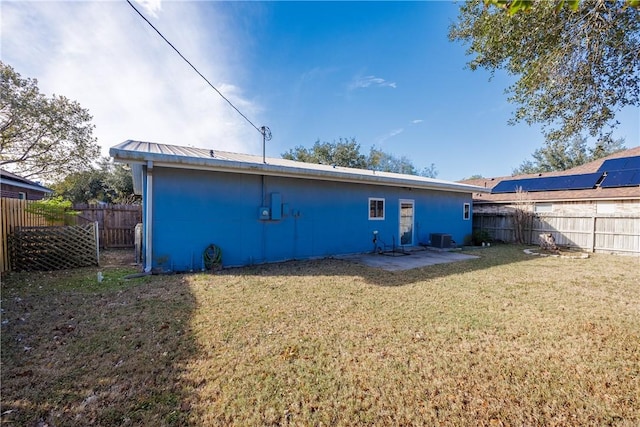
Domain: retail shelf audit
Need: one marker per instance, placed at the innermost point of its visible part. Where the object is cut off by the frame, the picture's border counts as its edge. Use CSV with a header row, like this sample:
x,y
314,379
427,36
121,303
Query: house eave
x,y
137,158
26,186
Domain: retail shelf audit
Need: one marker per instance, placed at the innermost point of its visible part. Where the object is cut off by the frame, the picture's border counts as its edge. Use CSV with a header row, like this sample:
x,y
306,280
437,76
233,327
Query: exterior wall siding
x,y
192,209
13,192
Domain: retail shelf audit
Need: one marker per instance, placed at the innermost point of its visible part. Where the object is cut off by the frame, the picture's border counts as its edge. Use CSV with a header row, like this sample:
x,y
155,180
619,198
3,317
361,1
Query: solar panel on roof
x,y
549,183
623,163
624,178
508,186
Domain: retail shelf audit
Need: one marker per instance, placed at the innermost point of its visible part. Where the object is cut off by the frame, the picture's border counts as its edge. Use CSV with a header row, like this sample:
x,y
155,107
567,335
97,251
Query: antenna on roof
x,y
266,136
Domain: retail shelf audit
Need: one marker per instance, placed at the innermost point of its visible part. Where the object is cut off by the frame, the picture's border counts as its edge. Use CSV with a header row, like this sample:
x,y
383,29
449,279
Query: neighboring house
x,y
595,206
15,187
259,212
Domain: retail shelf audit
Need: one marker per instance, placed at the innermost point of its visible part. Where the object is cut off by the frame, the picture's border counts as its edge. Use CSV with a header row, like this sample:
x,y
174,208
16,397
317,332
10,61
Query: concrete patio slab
x,y
400,262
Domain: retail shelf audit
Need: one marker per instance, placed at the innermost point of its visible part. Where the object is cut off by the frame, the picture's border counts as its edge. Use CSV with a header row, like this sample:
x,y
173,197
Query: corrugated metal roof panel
x,y
177,156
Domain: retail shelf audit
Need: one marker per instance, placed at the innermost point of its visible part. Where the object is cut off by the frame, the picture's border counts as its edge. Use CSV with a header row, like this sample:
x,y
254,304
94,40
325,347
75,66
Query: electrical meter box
x,y
263,213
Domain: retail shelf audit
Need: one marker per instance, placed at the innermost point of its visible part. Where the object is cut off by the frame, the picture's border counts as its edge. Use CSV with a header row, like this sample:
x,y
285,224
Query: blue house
x,y
274,210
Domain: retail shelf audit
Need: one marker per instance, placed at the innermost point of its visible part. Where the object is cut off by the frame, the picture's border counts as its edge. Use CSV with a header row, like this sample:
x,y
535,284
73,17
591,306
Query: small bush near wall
x,y
480,236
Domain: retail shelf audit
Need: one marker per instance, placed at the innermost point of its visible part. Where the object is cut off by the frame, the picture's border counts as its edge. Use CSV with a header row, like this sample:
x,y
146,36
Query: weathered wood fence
x,y
54,247
13,214
599,233
116,223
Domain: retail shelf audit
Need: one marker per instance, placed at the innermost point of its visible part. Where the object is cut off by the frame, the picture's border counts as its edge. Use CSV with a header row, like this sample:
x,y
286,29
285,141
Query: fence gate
x,y
54,248
116,223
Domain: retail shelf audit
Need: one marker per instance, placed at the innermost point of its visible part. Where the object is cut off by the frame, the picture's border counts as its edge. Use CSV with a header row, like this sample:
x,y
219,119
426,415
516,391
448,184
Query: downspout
x,y
149,219
263,243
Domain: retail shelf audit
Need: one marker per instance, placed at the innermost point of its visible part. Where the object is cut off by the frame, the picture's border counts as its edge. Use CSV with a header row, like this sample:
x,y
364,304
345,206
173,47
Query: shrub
x,y
480,236
55,210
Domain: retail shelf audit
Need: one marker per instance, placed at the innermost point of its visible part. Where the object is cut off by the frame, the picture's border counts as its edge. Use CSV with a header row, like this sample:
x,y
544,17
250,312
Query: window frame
x,y
384,206
466,211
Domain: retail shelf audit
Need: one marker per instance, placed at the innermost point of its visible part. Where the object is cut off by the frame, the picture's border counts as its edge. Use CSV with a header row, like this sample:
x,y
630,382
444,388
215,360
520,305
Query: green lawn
x,y
506,339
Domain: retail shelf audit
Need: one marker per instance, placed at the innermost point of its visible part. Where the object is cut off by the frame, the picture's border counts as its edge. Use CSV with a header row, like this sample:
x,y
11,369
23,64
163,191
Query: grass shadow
x,y
498,340
79,352
494,256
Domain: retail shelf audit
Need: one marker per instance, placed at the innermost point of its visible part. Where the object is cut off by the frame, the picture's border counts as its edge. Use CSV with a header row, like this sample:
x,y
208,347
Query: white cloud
x,y
415,122
367,81
389,135
152,7
103,55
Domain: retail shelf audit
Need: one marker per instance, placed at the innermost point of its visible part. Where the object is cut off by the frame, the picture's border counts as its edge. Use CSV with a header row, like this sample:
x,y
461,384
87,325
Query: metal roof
x,y
137,153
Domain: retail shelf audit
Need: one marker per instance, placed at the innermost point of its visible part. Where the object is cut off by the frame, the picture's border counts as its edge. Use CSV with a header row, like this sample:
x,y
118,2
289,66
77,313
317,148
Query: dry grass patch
x,y
75,352
506,339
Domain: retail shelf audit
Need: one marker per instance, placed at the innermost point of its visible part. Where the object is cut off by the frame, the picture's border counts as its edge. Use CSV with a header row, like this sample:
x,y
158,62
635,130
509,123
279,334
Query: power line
x,y
261,130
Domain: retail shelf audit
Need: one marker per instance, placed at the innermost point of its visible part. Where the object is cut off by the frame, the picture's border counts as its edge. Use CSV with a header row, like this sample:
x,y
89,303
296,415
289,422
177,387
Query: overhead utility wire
x,y
262,131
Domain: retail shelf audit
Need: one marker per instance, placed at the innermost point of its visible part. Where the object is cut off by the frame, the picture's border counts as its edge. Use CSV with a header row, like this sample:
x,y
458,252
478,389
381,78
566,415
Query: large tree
x,y
346,153
566,155
109,183
42,137
576,66
380,161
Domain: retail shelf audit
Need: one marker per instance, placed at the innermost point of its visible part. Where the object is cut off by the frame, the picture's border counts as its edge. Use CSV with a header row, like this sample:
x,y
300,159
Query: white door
x,y
406,222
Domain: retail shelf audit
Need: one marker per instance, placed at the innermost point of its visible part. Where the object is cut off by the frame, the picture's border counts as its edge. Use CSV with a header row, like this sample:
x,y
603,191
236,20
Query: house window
x,y
376,208
466,211
543,208
22,196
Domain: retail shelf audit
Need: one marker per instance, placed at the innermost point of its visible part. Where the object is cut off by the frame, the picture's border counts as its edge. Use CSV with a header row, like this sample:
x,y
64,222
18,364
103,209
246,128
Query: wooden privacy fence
x,y
116,223
54,248
13,213
599,233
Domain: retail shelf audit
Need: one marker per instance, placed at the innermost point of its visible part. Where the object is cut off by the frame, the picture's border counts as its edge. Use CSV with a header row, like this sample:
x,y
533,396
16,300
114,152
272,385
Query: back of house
x,y
259,211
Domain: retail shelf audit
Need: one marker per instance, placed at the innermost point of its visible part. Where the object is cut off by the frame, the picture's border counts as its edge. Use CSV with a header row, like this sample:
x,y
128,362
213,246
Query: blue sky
x,y
382,73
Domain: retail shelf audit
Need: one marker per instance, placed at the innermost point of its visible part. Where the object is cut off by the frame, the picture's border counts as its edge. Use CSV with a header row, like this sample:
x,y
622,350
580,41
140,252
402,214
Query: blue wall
x,y
192,209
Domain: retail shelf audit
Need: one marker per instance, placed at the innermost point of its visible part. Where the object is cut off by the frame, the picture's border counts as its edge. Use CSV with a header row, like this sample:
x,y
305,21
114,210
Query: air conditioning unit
x,y
440,240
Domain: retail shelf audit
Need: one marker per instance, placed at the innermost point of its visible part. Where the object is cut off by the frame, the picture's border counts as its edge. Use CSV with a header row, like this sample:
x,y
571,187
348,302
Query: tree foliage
x,y
42,137
55,210
475,176
562,156
107,183
378,160
576,66
515,6
346,153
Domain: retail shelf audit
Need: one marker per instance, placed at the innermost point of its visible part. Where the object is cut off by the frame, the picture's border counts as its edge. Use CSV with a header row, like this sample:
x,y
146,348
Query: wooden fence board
x,y
599,233
13,213
116,223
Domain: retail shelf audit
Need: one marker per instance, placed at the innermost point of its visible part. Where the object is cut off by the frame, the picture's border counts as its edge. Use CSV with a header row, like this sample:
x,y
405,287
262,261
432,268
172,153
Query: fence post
x,y
97,234
593,234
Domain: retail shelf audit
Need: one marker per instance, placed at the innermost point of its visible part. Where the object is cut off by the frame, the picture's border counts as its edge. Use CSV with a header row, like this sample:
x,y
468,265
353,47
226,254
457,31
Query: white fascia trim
x,y
171,161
